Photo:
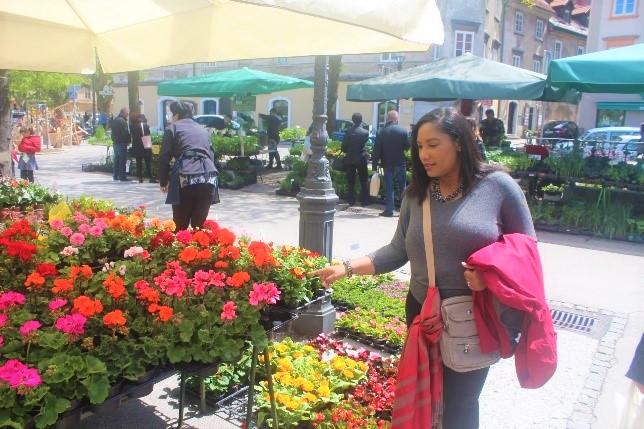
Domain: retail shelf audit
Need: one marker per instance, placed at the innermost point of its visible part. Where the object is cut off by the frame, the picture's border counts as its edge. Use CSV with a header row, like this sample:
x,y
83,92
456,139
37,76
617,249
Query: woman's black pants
x,y
194,206
147,157
461,390
351,170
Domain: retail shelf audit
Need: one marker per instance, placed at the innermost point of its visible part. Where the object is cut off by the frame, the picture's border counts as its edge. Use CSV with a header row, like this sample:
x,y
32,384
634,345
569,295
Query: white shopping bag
x,y
306,152
374,185
128,163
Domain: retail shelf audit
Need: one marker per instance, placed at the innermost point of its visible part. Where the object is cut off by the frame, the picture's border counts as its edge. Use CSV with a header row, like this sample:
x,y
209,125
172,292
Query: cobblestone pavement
x,y
589,275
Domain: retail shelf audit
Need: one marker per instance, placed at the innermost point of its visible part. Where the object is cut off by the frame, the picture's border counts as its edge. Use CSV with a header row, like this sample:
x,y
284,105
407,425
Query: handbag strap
x,y
429,241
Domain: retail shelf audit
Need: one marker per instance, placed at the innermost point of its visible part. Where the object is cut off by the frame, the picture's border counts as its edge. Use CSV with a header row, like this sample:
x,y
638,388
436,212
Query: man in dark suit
x,y
353,145
121,137
389,151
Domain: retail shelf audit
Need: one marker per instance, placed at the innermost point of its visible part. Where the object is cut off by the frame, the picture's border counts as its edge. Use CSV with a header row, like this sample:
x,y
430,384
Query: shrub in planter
x,y
292,134
231,146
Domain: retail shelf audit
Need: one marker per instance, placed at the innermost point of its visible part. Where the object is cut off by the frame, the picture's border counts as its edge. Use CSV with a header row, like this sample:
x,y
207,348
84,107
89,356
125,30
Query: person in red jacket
x,y
28,147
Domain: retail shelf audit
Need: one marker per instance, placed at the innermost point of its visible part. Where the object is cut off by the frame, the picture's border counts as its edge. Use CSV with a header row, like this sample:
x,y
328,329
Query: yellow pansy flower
x,y
285,365
347,373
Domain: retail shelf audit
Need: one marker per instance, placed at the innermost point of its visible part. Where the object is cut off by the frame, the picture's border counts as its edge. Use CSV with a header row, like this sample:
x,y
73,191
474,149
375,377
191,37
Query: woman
x,y
477,136
353,145
191,184
472,205
139,128
28,147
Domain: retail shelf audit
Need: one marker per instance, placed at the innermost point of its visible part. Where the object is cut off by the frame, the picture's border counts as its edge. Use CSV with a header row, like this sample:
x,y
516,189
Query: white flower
x,y
122,270
133,251
69,251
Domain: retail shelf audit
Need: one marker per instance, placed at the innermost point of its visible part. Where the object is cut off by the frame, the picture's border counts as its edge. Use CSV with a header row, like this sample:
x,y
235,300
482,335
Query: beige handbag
x,y
146,140
459,343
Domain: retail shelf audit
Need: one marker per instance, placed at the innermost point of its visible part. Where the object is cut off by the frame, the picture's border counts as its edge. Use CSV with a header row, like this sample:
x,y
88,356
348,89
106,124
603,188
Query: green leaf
x,y
53,340
176,353
50,410
7,398
186,329
98,387
7,422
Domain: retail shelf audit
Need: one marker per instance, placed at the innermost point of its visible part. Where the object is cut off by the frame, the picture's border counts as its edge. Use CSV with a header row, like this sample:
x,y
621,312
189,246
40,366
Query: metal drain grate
x,y
573,321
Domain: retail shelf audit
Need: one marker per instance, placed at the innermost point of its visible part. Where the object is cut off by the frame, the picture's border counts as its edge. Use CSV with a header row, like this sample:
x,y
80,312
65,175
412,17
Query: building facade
x,y
613,24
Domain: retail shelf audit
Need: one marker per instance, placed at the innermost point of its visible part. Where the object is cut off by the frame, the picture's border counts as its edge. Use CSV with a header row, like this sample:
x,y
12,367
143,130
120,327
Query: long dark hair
x,y
451,122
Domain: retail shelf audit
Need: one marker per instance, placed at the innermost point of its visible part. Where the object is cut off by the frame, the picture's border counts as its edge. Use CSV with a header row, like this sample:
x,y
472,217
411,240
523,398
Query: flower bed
x,y
96,296
19,198
370,327
366,292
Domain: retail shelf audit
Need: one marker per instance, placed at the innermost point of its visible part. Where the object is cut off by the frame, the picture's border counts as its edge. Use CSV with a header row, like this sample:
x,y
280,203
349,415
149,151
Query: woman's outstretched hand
x,y
329,274
473,278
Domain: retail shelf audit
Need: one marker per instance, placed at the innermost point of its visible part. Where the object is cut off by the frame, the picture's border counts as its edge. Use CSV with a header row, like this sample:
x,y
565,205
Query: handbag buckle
x,y
467,348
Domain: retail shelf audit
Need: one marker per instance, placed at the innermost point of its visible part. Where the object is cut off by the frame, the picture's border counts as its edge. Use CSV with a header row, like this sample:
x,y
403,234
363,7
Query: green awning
x,y
464,77
230,83
607,105
618,71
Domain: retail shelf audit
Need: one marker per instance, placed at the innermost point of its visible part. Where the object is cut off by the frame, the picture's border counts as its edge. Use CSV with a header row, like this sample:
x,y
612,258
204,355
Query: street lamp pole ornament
x,y
317,196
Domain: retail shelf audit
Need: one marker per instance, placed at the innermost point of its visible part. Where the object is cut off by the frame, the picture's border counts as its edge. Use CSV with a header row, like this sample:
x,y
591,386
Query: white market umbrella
x,y
63,35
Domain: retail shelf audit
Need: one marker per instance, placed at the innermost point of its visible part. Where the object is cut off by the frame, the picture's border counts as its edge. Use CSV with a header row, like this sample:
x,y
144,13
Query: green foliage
x,y
374,325
231,146
50,88
551,188
515,161
568,165
19,193
296,149
362,293
100,133
296,133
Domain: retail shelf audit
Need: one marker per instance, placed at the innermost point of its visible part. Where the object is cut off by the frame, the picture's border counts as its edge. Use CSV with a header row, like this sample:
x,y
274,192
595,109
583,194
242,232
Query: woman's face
x,y
437,151
175,117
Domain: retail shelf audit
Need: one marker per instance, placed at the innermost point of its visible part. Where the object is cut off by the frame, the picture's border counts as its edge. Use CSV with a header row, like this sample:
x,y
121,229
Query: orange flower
x,y
165,313
169,225
238,279
114,319
114,285
62,285
87,306
34,279
261,254
225,237
188,254
149,295
155,223
298,272
204,254
201,238
221,265
153,308
230,252
83,270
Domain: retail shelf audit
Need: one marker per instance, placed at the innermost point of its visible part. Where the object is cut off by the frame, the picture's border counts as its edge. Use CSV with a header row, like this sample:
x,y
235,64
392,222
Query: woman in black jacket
x,y
191,183
139,128
353,145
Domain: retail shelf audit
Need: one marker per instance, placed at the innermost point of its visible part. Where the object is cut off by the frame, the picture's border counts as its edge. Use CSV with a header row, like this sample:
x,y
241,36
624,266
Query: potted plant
x,y
552,192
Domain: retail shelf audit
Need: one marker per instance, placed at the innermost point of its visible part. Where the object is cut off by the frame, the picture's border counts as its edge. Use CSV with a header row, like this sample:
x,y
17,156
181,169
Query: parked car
x,y
342,126
556,130
629,149
213,123
604,141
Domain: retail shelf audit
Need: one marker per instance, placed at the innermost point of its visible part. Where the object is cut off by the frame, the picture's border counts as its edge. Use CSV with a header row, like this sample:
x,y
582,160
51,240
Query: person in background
x,y
121,137
191,183
226,123
28,147
477,137
139,128
273,125
492,129
389,151
354,146
472,205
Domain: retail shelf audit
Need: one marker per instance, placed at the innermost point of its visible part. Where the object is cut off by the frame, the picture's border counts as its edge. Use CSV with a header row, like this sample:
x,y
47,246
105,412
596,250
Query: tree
x,y
335,67
50,88
5,125
133,91
103,102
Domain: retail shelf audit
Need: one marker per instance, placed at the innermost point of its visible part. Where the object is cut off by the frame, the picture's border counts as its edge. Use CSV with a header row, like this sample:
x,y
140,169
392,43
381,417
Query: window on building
x,y
610,118
210,107
536,66
387,57
547,57
516,60
495,53
436,52
558,49
386,70
539,29
624,7
518,22
281,60
581,50
463,42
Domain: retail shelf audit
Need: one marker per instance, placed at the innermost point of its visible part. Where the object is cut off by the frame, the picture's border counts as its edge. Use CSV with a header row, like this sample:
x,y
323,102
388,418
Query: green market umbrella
x,y
230,83
463,77
619,70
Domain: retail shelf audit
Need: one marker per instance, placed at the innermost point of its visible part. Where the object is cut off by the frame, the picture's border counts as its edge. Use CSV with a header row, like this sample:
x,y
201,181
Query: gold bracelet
x,y
348,270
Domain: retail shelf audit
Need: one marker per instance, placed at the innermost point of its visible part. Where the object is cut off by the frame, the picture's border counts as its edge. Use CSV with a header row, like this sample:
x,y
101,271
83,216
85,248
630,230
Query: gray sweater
x,y
495,205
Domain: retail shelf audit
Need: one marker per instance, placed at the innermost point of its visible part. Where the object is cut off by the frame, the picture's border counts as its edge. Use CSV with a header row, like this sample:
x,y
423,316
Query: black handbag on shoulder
x,y
338,164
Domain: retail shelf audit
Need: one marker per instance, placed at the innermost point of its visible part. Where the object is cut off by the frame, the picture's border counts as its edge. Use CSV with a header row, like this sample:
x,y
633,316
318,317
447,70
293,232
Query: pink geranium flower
x,y
228,312
10,299
96,231
133,251
264,293
77,239
69,251
84,228
80,218
18,375
73,324
66,231
1,341
3,320
29,327
184,236
56,224
57,303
